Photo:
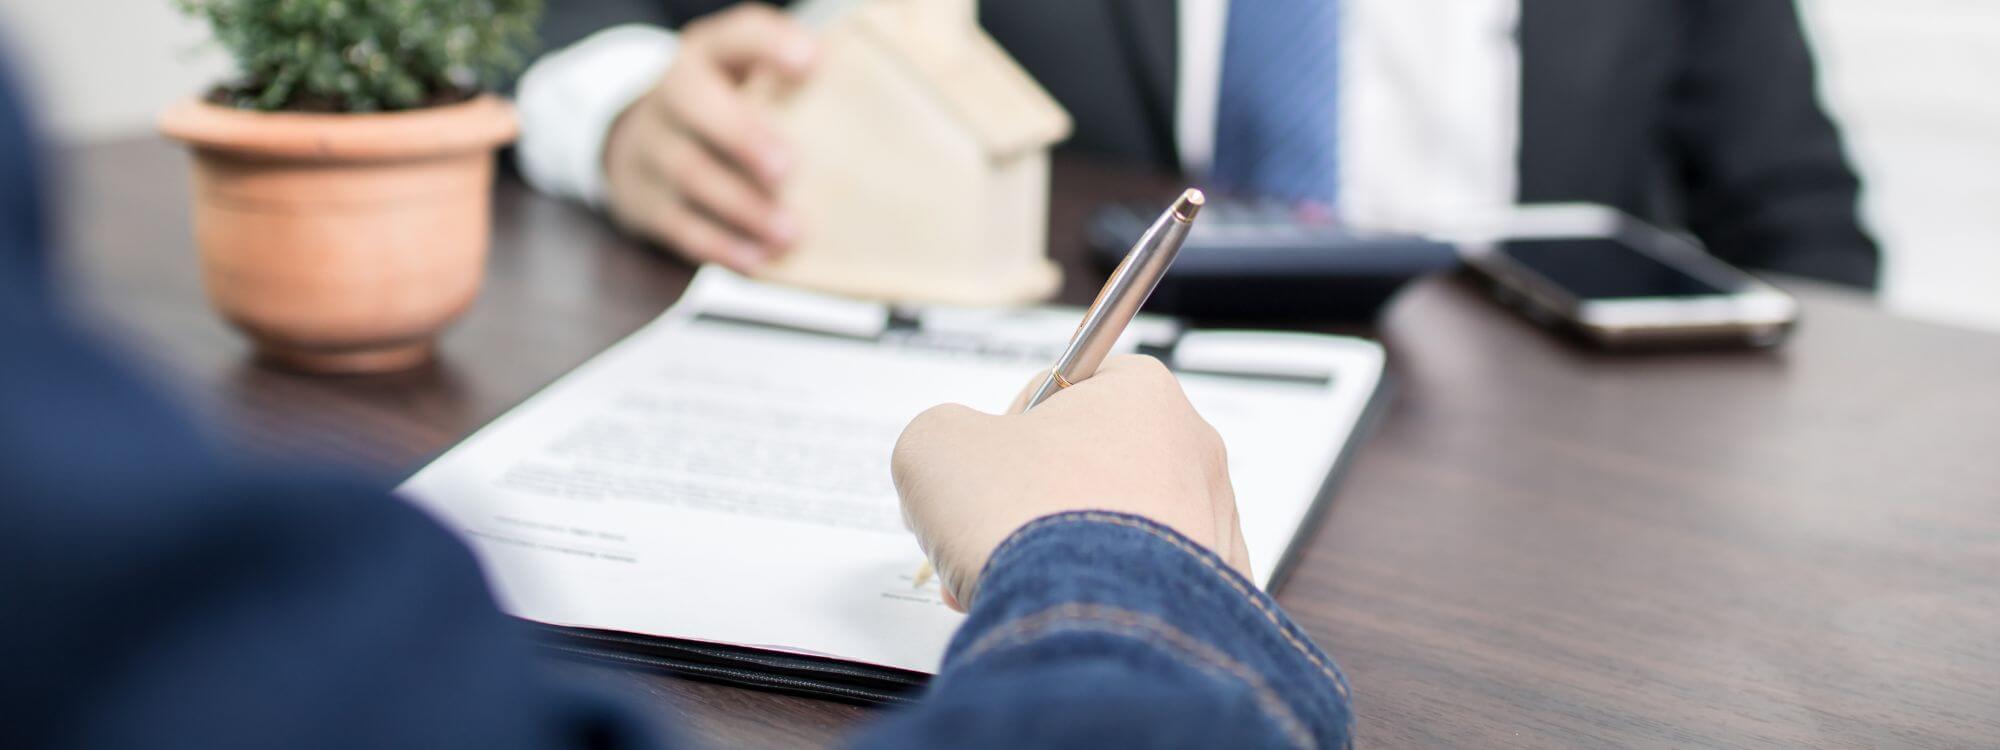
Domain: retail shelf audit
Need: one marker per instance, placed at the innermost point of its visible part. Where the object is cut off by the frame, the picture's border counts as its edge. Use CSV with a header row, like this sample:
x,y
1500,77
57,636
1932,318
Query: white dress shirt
x,y
1429,100
569,98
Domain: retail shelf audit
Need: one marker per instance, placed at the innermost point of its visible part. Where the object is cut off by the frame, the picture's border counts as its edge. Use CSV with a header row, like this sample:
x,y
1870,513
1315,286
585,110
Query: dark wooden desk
x,y
1541,546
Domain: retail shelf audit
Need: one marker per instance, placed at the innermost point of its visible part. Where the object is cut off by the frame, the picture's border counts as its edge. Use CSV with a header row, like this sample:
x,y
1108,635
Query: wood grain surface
x,y
1541,546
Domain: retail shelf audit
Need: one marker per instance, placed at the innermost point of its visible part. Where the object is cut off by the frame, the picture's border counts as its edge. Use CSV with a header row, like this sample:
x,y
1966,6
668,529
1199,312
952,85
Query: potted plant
x,y
343,183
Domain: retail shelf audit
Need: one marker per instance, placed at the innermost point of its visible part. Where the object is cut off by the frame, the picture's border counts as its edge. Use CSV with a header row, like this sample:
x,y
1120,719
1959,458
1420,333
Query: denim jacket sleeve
x,y
1095,629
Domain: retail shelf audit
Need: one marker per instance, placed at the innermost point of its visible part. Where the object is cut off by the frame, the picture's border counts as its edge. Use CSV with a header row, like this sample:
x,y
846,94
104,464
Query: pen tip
x,y
1188,205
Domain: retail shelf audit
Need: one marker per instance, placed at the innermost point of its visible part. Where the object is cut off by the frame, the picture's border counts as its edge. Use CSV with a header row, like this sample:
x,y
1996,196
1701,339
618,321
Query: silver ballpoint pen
x,y
1116,304
1127,289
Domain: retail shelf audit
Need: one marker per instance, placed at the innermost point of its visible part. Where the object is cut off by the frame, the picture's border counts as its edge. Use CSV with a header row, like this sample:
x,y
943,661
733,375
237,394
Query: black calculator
x,y
1264,259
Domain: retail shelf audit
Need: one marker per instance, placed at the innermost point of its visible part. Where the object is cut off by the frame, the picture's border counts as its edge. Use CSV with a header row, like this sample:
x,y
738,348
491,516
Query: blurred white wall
x,y
1915,82
105,68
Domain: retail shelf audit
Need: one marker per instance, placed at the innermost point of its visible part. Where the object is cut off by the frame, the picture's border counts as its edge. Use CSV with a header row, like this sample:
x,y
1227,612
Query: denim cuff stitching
x,y
1206,557
1176,644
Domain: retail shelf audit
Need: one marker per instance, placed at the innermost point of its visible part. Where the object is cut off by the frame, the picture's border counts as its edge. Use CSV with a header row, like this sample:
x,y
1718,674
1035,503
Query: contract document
x,y
712,494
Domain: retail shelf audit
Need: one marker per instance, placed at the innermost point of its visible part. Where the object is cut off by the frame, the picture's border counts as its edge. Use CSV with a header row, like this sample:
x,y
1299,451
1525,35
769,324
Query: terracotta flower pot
x,y
342,243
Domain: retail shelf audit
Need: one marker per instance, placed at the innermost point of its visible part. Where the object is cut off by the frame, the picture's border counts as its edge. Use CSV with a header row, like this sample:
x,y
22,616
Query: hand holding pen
x,y
1113,310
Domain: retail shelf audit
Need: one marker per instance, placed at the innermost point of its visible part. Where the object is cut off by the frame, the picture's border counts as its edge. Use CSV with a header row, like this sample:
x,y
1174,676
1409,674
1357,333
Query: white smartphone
x,y
1621,282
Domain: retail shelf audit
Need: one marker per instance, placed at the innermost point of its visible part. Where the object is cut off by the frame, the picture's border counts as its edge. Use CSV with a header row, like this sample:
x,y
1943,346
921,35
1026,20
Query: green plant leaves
x,y
366,55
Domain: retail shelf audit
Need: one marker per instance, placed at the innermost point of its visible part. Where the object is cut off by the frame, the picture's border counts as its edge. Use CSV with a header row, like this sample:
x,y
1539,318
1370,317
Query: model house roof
x,y
941,44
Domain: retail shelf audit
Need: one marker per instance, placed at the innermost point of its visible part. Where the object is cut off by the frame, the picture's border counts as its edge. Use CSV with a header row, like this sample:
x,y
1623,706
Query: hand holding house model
x,y
923,160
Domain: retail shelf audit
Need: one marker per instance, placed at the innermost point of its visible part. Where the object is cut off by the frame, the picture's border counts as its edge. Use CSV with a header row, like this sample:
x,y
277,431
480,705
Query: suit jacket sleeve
x,y
157,596
154,595
1767,181
568,21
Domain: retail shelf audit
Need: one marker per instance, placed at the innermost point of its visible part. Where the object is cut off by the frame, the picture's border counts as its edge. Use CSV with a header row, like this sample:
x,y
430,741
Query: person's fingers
x,y
636,199
725,193
753,34
703,101
701,239
1121,379
928,443
1239,550
1118,368
1135,366
637,187
930,433
1020,403
1222,494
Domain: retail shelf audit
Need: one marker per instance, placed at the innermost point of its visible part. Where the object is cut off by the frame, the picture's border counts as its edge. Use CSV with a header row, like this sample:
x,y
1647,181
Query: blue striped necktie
x,y
1276,115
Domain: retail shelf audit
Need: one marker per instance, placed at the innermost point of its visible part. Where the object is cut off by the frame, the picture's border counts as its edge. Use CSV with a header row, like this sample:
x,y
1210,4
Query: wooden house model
x,y
921,159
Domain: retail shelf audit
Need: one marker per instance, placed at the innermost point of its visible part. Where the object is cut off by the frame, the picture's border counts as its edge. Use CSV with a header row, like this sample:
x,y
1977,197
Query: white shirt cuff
x,y
569,99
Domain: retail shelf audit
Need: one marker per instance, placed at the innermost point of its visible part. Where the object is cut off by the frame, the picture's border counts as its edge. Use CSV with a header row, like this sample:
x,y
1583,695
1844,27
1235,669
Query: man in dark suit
x,y
1405,114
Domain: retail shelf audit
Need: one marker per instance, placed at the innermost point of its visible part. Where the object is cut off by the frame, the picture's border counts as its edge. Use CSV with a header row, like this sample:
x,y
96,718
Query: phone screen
x,y
1597,268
